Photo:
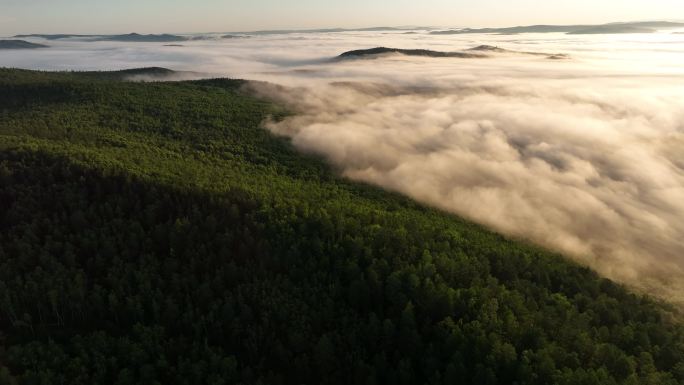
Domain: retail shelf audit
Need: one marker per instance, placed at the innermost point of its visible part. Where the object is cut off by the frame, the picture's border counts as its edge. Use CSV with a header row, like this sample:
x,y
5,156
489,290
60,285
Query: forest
x,y
155,233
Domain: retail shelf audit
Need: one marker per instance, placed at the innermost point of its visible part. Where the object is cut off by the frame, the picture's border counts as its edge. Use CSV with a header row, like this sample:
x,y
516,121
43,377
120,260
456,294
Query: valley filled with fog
x,y
574,142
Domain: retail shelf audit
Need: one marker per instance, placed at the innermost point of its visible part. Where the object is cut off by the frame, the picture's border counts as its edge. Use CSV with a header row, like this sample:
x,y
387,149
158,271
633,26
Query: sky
x,y
177,16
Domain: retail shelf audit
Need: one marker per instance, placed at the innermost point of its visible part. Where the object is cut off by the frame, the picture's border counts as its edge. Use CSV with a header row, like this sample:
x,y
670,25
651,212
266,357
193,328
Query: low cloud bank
x,y
600,177
580,158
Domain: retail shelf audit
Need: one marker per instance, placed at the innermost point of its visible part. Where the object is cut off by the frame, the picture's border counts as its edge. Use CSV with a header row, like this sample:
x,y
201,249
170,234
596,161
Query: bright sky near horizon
x,y
156,16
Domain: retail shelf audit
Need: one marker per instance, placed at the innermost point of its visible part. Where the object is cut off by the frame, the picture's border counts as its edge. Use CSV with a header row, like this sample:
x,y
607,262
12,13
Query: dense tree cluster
x,y
152,233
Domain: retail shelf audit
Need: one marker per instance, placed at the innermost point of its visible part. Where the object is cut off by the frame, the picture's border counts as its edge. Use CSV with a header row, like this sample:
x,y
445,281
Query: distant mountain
x,y
159,73
513,30
131,37
612,29
146,71
327,30
134,37
478,52
155,72
19,44
56,36
287,31
408,52
490,48
165,38
377,29
653,24
636,27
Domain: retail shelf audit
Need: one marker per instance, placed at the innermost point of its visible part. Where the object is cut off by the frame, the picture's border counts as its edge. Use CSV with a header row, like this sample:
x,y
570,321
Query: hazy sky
x,y
154,16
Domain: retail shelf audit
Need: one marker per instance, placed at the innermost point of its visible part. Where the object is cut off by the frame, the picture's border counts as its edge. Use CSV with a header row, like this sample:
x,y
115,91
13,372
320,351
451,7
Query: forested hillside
x,y
153,233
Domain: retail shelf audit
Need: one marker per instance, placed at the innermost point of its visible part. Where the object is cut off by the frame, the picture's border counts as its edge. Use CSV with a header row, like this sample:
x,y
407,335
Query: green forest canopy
x,y
153,233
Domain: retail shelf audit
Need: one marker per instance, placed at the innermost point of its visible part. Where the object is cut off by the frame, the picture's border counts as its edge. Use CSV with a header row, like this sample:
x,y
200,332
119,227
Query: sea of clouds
x,y
584,155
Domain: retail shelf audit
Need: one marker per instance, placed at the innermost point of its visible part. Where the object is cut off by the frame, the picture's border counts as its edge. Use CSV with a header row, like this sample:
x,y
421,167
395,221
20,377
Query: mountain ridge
x,y
20,44
610,28
478,52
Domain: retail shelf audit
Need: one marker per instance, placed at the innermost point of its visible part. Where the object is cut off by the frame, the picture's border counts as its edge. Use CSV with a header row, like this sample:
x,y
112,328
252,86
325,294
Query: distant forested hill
x,y
153,233
19,44
599,29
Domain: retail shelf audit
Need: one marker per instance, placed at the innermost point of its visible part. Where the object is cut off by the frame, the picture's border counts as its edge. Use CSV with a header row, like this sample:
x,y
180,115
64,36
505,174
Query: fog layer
x,y
583,155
